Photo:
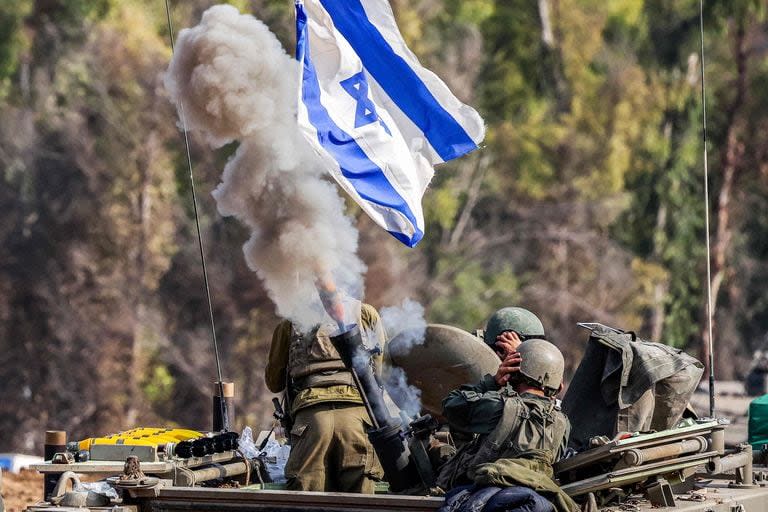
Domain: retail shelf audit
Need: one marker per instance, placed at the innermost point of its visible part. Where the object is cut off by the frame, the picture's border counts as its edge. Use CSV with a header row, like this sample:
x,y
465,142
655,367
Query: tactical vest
x,y
313,360
529,427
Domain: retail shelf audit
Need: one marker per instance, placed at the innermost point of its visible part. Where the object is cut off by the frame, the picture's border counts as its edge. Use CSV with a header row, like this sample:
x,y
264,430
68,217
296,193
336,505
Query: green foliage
x,y
586,202
71,18
12,40
512,72
475,293
473,12
158,385
442,207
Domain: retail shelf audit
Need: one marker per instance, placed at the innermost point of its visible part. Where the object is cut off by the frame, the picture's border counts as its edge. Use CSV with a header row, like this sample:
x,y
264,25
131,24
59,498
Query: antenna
x,y
710,313
223,406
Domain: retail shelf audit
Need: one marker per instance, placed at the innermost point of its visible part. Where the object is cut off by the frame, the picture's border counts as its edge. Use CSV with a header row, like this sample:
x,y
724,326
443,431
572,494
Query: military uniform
x,y
330,450
629,385
505,424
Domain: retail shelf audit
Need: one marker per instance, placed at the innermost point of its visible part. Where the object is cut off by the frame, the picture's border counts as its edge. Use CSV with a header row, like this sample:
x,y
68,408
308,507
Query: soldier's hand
x,y
507,343
509,366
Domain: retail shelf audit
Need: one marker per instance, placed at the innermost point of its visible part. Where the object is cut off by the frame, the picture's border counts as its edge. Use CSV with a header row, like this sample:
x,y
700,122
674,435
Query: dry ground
x,y
21,490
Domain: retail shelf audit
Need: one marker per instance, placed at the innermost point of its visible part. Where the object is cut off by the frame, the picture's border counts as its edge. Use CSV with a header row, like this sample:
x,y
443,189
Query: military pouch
x,y
325,379
454,472
298,430
500,437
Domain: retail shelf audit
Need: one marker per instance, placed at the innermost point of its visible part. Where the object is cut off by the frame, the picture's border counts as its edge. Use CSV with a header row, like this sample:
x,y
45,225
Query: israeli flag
x,y
376,116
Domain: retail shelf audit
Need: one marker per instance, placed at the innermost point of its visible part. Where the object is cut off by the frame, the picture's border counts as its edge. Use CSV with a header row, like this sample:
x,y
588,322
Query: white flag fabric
x,y
377,117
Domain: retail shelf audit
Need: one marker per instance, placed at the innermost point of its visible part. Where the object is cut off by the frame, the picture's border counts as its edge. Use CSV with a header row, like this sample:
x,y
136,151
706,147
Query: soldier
x,y
330,450
505,331
519,419
644,385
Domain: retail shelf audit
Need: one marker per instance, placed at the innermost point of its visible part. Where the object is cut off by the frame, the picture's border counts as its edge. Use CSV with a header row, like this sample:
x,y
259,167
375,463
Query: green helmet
x,y
542,364
523,322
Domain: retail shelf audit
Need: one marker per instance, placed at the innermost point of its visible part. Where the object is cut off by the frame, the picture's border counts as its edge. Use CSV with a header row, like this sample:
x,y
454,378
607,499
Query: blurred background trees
x,y
586,204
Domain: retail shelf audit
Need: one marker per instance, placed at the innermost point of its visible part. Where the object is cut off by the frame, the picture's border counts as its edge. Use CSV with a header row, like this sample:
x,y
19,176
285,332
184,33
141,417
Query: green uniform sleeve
x,y
474,408
277,362
487,383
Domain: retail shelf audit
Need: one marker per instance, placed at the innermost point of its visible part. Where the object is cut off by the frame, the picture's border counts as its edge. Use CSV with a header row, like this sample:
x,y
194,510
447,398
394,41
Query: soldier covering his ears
x,y
505,331
659,379
517,420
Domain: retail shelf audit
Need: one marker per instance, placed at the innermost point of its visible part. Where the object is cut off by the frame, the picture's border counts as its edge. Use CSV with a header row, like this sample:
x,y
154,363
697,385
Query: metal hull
x,y
715,496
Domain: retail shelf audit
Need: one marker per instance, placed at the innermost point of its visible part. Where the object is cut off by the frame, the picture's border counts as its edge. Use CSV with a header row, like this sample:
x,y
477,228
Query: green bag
x,y
757,430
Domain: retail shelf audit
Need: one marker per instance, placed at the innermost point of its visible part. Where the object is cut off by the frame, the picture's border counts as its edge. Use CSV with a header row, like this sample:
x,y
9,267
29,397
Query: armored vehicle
x,y
686,468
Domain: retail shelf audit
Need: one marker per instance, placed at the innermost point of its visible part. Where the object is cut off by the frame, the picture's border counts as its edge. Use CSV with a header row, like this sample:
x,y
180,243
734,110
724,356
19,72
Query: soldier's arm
x,y
277,362
372,323
473,409
487,383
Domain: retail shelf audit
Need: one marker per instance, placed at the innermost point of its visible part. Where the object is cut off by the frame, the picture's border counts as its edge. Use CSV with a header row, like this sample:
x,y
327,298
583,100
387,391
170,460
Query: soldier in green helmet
x,y
518,427
505,331
659,379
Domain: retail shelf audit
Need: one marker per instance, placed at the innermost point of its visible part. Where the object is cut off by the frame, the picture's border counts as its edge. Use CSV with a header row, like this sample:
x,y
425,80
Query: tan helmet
x,y
542,364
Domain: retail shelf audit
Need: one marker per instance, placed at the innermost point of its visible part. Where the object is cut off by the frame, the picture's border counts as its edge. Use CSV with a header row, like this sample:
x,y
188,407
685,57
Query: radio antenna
x,y
223,406
710,313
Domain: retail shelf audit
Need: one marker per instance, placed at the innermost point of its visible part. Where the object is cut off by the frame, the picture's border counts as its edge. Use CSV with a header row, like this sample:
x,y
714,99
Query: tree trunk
x,y
546,25
553,58
473,194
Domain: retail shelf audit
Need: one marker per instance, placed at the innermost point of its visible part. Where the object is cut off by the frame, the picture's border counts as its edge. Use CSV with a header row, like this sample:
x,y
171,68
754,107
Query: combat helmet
x,y
542,365
523,322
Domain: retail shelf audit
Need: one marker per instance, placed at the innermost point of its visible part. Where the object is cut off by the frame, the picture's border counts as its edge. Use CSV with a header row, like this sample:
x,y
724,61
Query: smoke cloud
x,y
231,80
405,322
406,327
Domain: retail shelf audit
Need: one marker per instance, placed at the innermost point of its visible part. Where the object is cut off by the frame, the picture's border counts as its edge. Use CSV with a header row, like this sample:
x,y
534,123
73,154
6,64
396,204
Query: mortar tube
x,y
348,344
387,436
395,457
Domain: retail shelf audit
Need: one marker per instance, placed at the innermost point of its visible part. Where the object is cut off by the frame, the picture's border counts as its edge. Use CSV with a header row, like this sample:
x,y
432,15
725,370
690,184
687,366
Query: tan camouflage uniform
x,y
330,450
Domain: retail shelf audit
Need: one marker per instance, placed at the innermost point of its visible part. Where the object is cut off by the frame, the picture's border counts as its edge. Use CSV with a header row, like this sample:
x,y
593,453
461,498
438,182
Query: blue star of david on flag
x,y
378,120
365,113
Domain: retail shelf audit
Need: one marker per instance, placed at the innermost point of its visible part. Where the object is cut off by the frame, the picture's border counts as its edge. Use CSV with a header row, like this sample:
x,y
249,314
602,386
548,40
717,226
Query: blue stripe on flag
x,y
398,80
366,177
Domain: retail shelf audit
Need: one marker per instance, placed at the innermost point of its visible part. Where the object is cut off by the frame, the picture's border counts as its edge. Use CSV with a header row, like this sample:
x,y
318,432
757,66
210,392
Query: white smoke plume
x,y
405,322
407,397
232,80
405,326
